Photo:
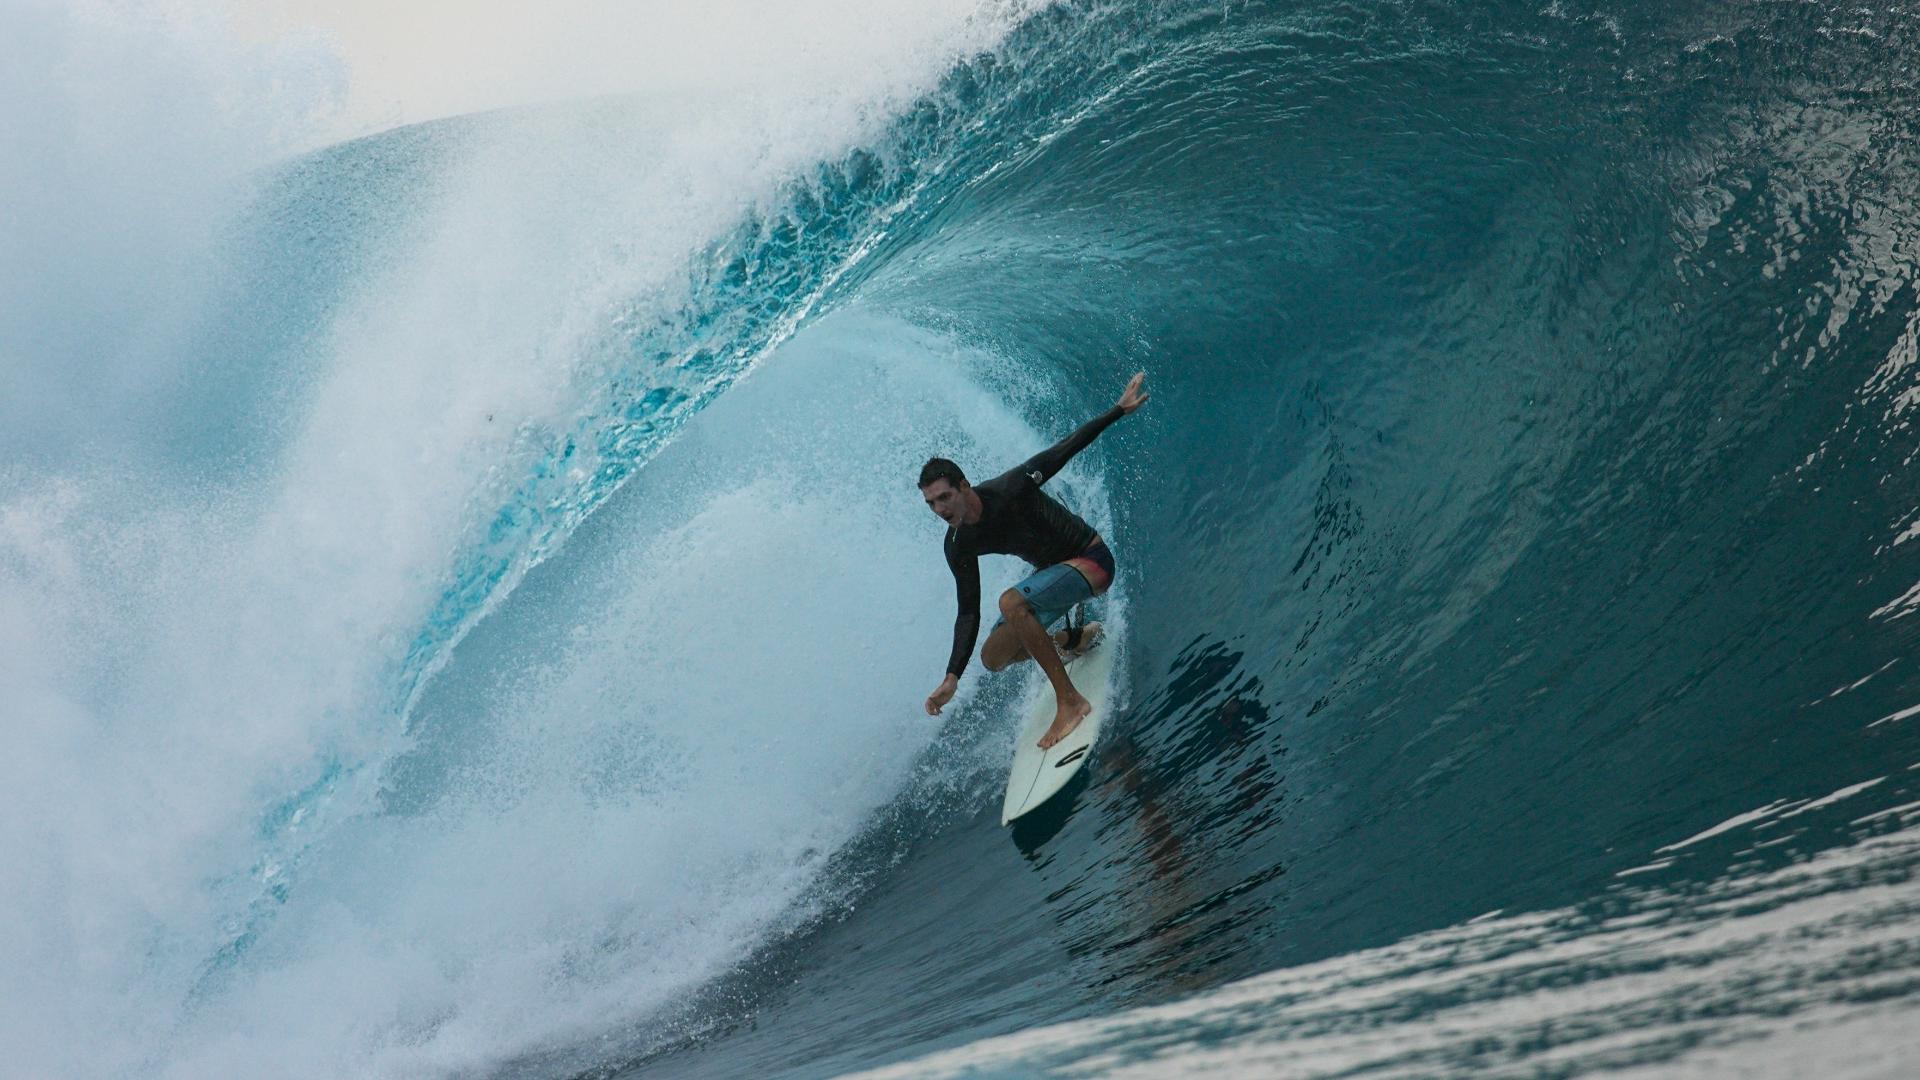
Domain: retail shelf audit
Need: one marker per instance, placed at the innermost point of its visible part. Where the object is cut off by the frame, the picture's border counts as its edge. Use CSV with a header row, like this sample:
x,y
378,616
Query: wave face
x,y
483,630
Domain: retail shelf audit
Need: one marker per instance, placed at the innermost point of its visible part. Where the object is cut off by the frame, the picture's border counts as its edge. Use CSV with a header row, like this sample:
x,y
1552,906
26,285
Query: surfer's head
x,y
946,490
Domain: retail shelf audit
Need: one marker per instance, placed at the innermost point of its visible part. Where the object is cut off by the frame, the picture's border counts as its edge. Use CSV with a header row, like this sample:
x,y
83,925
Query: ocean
x,y
465,607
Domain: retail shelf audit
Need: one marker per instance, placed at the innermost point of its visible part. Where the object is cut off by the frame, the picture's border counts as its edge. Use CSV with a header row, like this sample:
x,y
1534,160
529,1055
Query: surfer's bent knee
x,y
1002,649
1013,603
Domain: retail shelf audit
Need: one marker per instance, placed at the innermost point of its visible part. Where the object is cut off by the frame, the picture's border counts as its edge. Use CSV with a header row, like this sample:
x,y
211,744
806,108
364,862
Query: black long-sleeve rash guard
x,y
1017,518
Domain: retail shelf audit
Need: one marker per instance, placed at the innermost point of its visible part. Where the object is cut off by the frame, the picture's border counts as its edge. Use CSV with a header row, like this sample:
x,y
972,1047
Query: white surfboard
x,y
1037,774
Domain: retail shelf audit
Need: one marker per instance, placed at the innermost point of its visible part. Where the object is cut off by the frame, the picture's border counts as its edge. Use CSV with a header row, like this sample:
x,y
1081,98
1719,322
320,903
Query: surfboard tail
x,y
1037,775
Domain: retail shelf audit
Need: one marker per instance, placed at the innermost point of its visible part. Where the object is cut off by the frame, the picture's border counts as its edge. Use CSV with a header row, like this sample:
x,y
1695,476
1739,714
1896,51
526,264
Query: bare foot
x,y
1089,637
1070,713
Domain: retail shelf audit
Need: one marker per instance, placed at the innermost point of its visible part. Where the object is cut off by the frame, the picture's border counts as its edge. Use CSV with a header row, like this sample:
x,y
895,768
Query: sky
x,y
416,60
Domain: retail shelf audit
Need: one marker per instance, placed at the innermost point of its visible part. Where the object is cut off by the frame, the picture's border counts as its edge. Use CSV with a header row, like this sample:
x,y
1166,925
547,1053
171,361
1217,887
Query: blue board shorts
x,y
1053,590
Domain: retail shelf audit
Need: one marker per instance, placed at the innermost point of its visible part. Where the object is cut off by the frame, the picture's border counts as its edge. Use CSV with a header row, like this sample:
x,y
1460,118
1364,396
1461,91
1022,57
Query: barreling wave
x,y
1517,370
1520,524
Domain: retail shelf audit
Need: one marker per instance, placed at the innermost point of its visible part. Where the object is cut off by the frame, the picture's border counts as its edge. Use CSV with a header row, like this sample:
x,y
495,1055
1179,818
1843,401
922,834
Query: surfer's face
x,y
945,500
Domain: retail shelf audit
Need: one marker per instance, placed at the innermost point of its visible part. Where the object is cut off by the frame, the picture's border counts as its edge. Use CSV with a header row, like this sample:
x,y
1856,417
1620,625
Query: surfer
x,y
1010,515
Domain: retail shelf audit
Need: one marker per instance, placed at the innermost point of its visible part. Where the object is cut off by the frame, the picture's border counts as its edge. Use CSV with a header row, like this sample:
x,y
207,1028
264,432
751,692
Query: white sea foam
x,y
183,649
659,742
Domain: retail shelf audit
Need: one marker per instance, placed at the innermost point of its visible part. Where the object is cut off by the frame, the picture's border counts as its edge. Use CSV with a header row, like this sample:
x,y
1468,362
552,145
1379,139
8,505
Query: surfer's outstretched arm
x,y
1044,464
966,626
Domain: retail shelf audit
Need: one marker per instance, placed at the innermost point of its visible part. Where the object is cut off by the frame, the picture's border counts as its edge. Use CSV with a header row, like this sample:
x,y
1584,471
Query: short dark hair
x,y
940,468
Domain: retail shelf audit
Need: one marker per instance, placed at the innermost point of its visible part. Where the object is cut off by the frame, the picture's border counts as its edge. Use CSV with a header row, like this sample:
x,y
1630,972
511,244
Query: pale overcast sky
x,y
412,60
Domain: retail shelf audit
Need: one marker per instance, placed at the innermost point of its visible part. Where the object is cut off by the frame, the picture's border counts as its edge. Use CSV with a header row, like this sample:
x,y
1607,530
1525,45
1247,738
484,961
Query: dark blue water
x,y
1515,601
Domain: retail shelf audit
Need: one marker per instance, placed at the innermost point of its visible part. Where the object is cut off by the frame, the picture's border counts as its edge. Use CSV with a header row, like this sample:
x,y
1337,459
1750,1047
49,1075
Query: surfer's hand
x,y
941,696
1131,398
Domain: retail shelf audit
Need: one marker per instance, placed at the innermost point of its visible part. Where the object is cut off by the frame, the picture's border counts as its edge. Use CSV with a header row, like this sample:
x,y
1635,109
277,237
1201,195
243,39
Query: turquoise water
x,y
479,624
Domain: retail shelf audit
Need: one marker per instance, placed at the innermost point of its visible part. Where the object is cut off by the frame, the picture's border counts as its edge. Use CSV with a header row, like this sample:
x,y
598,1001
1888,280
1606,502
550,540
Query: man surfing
x,y
1010,515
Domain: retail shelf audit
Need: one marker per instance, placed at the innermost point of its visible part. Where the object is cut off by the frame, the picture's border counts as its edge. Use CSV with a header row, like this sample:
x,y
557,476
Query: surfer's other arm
x,y
966,626
1043,465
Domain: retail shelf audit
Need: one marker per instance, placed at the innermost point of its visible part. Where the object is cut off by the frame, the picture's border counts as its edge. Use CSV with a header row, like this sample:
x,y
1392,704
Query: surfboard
x,y
1038,774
